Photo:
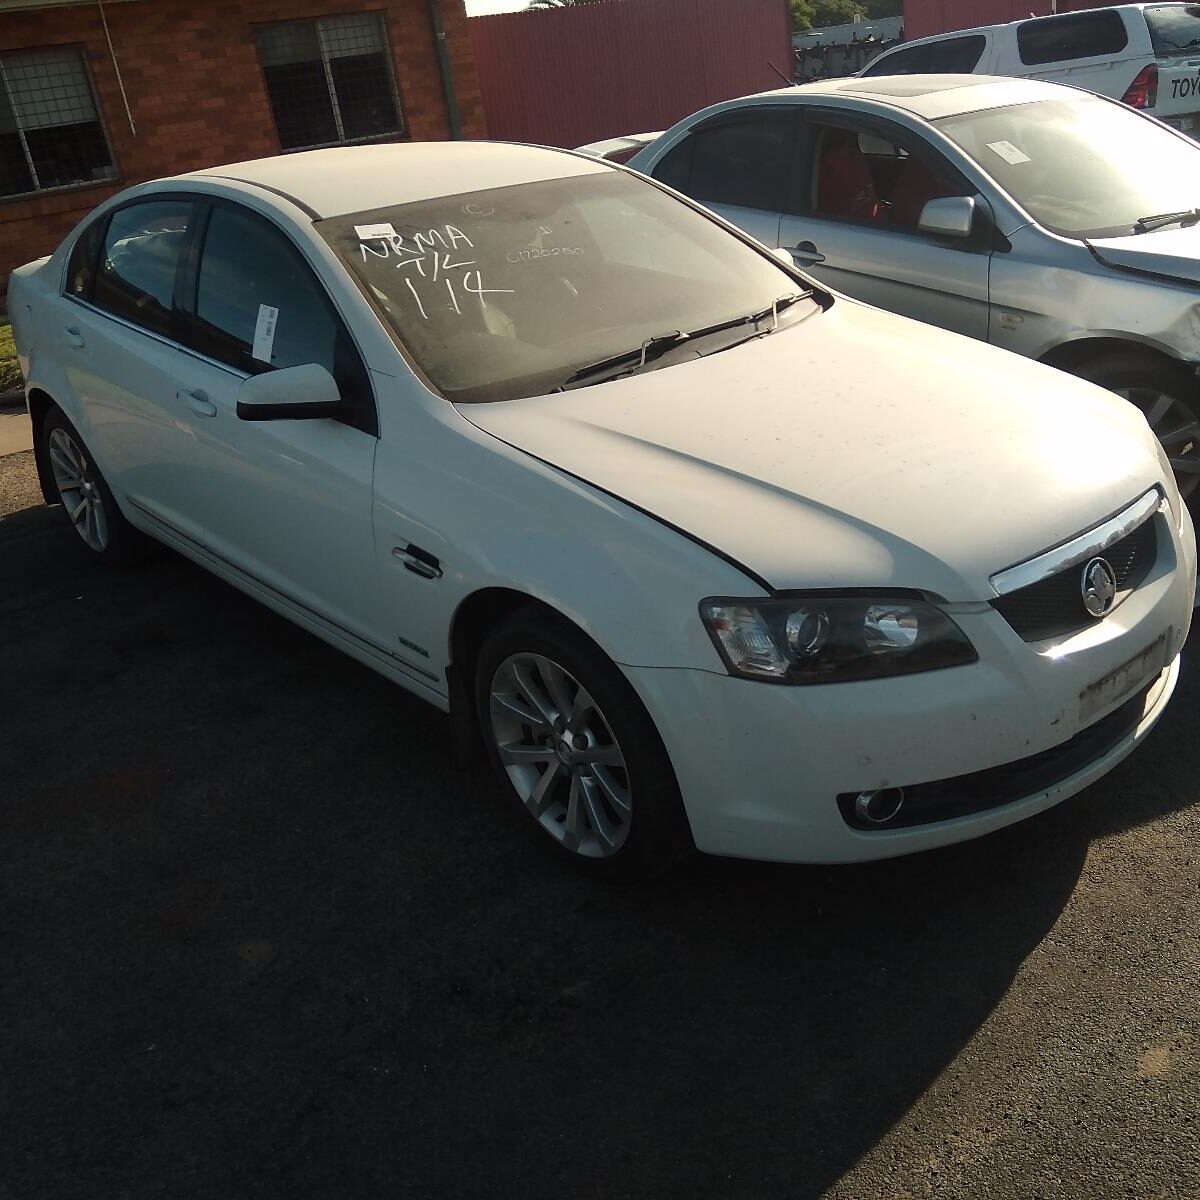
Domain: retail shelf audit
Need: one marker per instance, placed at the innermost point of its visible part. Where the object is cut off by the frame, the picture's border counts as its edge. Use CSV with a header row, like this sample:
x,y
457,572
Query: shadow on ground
x,y
262,937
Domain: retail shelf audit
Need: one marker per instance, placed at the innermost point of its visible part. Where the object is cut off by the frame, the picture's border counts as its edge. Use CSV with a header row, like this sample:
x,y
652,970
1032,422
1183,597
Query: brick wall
x,y
196,90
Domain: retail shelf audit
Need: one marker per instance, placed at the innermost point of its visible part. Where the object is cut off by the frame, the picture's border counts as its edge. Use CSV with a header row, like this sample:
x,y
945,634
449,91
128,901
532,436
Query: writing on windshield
x,y
504,293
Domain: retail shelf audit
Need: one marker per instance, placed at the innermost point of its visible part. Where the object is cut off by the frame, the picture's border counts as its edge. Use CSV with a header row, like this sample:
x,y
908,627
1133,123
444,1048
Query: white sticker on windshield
x,y
264,333
1008,152
367,232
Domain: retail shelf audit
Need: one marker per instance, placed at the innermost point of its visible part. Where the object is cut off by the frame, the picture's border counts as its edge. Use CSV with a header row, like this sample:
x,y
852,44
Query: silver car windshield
x,y
1082,167
520,290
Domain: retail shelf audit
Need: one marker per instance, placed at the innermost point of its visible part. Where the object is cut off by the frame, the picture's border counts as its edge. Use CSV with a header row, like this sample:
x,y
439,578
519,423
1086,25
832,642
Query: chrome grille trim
x,y
1079,549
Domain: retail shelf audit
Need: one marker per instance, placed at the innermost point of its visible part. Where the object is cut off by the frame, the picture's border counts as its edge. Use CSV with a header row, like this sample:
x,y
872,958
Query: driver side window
x,y
857,175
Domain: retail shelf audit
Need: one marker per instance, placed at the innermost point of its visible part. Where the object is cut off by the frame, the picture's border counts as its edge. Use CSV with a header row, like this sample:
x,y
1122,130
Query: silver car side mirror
x,y
303,393
948,216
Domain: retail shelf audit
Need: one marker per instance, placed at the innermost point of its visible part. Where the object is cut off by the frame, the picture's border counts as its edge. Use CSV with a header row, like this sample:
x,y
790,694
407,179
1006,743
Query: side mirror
x,y
784,255
948,216
304,393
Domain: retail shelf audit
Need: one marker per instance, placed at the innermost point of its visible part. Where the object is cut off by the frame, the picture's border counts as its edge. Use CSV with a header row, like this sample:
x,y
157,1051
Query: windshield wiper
x,y
655,347
626,363
1189,216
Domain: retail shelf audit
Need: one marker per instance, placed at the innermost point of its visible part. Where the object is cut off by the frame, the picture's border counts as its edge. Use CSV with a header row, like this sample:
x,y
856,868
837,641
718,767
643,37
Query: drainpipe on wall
x,y
447,71
116,67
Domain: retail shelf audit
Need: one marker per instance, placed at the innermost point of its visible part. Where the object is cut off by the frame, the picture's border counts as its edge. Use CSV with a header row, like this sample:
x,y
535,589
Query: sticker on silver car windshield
x,y
1008,152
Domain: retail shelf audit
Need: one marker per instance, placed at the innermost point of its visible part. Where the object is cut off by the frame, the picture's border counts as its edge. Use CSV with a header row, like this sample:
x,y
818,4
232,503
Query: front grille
x,y
1053,607
979,791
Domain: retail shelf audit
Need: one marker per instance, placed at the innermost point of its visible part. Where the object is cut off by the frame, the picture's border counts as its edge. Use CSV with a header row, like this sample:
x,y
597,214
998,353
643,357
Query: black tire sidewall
x,y
659,835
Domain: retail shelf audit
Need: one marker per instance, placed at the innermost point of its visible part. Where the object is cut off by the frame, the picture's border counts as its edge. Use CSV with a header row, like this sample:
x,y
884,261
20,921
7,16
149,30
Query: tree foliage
x,y
818,14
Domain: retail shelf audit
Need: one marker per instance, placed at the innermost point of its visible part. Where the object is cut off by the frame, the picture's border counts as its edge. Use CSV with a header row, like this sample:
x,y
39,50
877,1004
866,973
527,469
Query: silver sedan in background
x,y
1041,218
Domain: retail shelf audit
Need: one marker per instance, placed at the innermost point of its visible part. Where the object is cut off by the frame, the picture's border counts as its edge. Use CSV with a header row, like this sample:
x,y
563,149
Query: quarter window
x,y
330,82
259,306
142,251
50,130
1075,35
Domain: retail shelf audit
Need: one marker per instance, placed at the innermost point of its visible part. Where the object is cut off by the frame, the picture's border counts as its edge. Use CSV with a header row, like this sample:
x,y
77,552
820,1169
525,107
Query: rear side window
x,y
744,162
1075,35
259,306
1174,29
953,56
675,169
143,248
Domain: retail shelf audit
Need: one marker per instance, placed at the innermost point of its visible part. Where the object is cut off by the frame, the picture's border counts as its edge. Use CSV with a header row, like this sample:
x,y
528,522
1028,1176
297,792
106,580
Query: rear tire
x,y
576,751
1168,395
85,497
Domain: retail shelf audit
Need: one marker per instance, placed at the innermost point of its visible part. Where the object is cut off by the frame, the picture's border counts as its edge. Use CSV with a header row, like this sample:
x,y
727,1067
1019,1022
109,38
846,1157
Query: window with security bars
x,y
50,130
330,81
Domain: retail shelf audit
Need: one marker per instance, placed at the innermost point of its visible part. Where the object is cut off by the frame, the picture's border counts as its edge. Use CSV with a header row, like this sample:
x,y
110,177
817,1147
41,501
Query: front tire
x,y
1169,398
85,497
575,749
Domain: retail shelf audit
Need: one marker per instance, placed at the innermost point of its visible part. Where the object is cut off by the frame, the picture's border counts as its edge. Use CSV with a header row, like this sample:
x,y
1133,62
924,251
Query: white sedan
x,y
706,555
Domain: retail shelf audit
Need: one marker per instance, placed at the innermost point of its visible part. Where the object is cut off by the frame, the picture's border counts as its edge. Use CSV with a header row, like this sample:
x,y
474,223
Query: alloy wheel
x,y
78,489
559,751
1176,426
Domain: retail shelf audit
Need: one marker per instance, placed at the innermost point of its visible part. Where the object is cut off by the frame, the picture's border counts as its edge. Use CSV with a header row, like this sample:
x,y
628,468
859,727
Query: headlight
x,y
1169,484
832,639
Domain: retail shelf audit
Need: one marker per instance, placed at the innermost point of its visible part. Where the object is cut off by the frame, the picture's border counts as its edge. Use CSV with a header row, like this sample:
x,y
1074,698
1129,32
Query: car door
x,y
286,502
853,221
118,323
739,164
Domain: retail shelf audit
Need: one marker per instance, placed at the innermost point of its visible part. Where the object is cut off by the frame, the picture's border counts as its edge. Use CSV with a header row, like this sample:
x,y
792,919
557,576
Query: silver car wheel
x,y
559,751
1176,426
78,490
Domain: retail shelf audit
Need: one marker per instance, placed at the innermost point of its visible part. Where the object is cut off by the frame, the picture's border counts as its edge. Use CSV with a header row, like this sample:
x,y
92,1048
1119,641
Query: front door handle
x,y
74,337
807,252
198,402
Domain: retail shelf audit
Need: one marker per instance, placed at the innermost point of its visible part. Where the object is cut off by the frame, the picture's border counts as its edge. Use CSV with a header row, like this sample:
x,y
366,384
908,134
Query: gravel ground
x,y
262,938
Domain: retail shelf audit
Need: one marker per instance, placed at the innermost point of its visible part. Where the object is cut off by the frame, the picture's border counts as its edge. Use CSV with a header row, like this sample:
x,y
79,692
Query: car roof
x,y
953,33
926,96
350,179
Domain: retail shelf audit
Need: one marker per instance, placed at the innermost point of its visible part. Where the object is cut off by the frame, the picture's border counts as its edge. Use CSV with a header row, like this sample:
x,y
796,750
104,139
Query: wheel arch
x,y
40,404
474,618
1069,356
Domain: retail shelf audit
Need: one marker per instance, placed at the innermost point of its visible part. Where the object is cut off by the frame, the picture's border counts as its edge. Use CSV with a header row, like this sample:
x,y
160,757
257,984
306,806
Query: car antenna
x,y
789,82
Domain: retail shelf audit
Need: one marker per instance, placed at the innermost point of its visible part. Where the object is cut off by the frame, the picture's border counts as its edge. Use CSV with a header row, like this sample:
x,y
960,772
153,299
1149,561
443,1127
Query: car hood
x,y
1171,252
854,449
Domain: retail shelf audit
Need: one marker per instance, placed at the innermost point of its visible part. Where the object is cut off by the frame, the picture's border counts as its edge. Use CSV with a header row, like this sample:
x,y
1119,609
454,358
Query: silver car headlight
x,y
822,638
1170,486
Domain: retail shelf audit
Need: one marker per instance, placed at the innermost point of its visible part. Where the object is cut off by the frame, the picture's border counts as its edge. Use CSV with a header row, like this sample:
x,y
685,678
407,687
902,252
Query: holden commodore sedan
x,y
703,554
1043,219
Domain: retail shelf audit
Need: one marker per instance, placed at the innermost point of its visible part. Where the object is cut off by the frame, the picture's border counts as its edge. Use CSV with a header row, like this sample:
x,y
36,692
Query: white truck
x,y
1147,55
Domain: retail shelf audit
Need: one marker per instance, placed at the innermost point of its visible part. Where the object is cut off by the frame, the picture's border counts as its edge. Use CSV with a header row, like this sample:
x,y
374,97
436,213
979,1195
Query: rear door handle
x,y
74,337
807,252
418,561
198,402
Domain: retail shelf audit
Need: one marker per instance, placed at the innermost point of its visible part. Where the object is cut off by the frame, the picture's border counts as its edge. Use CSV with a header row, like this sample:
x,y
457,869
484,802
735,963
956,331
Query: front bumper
x,y
761,766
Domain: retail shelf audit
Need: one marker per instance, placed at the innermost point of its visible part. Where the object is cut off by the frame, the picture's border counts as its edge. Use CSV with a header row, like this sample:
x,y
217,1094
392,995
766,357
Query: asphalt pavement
x,y
261,937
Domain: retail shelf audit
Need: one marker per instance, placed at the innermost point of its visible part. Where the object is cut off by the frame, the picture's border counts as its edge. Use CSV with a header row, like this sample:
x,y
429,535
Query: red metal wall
x,y
924,17
565,76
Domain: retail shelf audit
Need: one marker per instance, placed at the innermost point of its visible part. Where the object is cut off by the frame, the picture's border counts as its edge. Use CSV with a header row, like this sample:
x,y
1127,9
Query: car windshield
x,y
1082,167
520,290
1174,29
